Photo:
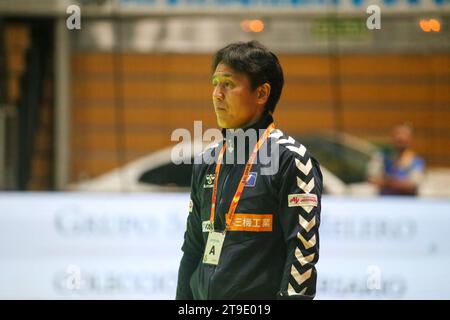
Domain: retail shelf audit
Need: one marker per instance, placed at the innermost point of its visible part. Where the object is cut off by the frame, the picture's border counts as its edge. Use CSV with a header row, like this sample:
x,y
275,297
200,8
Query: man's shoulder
x,y
293,155
289,147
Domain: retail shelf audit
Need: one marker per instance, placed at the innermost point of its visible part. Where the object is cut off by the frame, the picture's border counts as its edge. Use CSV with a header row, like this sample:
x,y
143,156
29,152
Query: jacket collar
x,y
262,123
238,145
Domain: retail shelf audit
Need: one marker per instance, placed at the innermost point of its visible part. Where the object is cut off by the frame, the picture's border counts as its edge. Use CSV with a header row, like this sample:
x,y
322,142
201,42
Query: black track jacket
x,y
272,246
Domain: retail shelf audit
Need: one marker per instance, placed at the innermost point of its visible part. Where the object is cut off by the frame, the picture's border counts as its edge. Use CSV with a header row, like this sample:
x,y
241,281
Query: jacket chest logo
x,y
251,180
209,181
251,222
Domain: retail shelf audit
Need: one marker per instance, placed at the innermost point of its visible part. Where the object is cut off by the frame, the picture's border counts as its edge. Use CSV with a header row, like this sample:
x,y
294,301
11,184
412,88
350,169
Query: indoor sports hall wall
x,y
126,105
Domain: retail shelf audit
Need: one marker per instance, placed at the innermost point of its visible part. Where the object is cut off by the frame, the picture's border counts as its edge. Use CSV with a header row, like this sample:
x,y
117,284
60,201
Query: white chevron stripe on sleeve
x,y
303,259
307,225
300,277
308,209
277,133
299,150
292,292
307,187
307,243
305,168
289,140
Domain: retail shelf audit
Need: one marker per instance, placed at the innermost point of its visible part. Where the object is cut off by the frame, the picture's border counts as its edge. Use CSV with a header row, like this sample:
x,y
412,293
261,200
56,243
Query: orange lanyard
x,y
248,166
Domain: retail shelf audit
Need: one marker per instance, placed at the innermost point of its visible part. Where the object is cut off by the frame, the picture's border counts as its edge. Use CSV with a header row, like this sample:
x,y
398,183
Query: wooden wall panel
x,y
160,93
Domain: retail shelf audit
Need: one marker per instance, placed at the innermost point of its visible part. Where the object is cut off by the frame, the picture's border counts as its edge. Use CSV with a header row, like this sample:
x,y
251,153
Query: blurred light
x,y
252,25
256,25
435,25
430,25
424,25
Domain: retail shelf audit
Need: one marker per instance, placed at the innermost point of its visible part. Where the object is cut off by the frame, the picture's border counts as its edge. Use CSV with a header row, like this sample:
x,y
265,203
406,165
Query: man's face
x,y
401,137
235,104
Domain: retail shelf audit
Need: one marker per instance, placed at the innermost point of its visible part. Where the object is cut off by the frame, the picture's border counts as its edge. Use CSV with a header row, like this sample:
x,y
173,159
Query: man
x,y
251,235
401,170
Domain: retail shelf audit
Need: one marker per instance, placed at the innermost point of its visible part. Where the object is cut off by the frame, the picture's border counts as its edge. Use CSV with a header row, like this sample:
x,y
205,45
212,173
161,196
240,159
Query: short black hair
x,y
258,63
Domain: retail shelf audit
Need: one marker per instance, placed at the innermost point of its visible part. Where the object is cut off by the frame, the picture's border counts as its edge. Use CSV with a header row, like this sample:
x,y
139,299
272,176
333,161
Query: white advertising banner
x,y
128,246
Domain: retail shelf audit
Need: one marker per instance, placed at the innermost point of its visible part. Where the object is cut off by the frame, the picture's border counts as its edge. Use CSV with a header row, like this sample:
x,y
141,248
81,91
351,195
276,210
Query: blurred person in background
x,y
400,171
265,244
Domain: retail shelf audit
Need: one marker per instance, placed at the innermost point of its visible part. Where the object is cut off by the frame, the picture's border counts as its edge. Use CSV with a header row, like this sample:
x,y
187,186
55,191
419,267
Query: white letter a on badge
x,y
212,254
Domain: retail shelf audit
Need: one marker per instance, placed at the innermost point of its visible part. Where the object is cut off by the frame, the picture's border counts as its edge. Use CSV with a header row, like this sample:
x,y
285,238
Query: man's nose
x,y
218,93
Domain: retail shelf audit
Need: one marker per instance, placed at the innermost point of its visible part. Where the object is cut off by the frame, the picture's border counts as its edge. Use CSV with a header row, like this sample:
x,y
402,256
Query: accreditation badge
x,y
213,247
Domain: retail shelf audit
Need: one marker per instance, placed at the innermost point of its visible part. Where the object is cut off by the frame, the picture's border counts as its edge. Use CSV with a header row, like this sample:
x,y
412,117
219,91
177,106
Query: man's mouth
x,y
220,108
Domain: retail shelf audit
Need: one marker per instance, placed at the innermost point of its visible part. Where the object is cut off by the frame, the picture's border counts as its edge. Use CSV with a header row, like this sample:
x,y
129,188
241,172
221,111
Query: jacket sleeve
x,y
299,214
193,245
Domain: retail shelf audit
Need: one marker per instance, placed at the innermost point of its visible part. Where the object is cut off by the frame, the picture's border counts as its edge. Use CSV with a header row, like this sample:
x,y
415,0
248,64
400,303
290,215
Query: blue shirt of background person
x,y
401,171
407,169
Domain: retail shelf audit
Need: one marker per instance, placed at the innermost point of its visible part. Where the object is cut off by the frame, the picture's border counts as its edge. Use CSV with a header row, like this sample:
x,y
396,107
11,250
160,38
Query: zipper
x,y
221,189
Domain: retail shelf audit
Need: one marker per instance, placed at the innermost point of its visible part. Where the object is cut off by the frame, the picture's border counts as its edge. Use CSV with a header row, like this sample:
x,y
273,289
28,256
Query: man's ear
x,y
263,93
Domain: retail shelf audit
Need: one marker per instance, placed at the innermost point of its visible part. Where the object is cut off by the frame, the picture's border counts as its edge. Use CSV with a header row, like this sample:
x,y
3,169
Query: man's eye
x,y
228,84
